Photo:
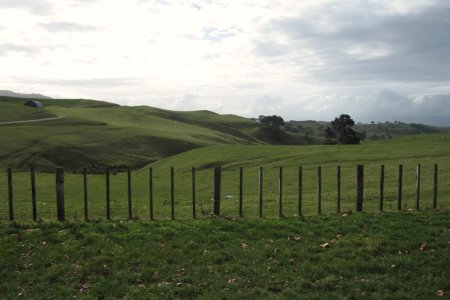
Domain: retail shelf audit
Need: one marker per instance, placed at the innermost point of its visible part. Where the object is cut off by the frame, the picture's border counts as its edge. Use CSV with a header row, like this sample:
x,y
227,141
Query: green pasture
x,y
425,150
354,256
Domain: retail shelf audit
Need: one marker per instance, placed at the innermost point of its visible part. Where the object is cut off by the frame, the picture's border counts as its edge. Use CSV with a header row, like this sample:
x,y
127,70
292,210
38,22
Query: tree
x,y
272,124
340,131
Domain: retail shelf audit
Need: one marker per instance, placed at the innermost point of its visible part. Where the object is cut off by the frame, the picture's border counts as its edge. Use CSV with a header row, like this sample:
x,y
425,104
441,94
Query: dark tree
x,y
340,131
272,124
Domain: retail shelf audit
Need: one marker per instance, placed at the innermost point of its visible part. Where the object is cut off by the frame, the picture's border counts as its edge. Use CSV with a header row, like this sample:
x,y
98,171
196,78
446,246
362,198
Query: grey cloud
x,y
56,27
88,83
196,6
390,106
385,105
7,48
272,49
37,7
412,47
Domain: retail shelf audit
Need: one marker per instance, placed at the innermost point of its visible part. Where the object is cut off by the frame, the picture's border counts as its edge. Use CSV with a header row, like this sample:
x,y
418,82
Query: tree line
x,y
338,131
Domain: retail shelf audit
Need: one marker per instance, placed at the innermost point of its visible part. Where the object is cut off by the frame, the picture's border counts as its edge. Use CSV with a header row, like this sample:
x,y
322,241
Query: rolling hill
x,y
372,131
98,133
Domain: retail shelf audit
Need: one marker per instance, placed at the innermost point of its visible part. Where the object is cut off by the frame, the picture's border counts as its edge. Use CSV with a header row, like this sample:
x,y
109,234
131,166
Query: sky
x,y
377,60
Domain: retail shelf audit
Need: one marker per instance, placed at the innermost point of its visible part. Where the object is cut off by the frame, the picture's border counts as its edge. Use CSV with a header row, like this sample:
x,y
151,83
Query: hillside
x,y
408,151
414,148
372,131
101,133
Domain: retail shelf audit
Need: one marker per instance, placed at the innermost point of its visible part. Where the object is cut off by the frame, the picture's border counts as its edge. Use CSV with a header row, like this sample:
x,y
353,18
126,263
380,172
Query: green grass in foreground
x,y
392,255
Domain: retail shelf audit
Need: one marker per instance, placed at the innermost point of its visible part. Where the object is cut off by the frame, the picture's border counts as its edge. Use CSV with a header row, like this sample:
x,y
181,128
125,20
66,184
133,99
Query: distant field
x,y
409,151
359,256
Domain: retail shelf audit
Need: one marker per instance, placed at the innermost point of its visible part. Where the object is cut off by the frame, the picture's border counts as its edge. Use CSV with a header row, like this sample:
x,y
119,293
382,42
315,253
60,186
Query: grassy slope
x,y
430,147
96,132
401,256
409,151
13,112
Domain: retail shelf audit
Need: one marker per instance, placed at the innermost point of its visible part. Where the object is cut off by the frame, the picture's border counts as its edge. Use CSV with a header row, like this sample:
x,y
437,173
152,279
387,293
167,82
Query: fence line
x,y
382,188
217,188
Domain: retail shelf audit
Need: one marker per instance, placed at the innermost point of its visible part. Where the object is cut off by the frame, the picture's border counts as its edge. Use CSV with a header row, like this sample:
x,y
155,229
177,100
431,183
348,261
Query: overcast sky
x,y
376,60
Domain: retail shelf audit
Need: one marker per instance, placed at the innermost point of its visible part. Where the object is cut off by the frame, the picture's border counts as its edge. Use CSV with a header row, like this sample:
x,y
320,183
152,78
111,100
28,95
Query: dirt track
x,y
31,121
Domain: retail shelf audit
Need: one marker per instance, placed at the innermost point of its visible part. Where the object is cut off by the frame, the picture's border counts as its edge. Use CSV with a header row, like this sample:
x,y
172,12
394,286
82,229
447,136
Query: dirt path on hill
x,y
31,121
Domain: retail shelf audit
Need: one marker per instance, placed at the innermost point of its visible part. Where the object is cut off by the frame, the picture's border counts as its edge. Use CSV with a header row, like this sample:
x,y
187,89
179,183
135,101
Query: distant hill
x,y
372,131
18,95
97,133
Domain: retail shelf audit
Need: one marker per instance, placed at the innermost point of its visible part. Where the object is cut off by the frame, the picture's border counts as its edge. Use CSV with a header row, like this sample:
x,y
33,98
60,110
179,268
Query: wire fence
x,y
172,193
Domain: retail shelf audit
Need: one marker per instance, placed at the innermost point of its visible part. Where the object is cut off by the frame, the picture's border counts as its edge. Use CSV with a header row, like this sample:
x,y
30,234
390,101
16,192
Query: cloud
x,y
38,7
390,106
196,6
216,34
266,105
298,59
364,43
384,105
88,83
56,27
8,48
186,102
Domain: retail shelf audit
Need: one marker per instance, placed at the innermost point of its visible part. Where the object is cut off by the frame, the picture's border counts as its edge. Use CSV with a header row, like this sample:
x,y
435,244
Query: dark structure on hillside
x,y
34,103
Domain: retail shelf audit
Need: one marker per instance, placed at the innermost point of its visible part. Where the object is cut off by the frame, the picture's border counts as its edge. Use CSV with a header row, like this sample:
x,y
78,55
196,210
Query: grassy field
x,y
408,151
384,256
101,133
373,255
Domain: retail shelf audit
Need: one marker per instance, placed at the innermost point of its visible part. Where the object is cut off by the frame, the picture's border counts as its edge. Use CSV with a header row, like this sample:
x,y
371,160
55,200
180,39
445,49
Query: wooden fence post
x,y
418,187
400,183
280,192
10,195
241,188
150,186
382,188
108,196
319,190
300,190
217,187
359,187
33,193
435,186
85,190
60,194
260,190
172,193
338,183
130,206
194,215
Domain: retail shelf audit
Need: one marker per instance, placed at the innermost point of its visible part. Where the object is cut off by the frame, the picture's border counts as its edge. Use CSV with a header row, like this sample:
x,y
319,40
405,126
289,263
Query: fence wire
x,y
182,206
